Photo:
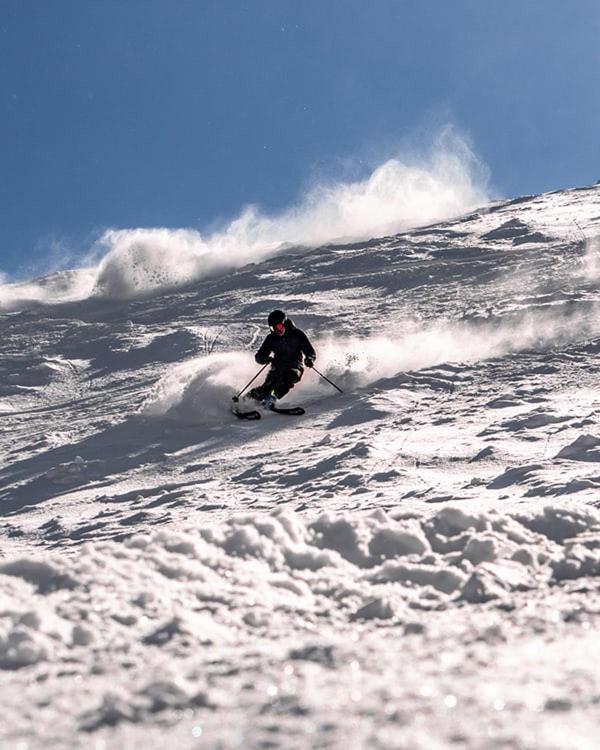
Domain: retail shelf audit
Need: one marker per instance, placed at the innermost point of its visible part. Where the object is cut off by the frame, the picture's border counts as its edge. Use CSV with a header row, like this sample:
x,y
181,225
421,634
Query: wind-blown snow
x,y
63,286
200,389
398,194
591,260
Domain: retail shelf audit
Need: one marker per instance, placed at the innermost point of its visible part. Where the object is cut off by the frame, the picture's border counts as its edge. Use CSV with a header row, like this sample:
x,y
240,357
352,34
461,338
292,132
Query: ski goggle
x,y
278,327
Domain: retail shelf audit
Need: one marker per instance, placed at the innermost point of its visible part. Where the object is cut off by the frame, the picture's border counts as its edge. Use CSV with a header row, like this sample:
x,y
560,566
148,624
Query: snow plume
x,y
62,286
591,260
399,194
357,362
396,196
200,390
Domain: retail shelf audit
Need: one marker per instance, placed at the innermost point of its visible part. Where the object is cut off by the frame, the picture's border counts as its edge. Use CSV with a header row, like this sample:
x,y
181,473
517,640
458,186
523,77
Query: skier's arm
x,y
307,348
262,356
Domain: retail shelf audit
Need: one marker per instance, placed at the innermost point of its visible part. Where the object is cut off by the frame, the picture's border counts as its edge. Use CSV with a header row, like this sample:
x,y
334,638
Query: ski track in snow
x,y
413,563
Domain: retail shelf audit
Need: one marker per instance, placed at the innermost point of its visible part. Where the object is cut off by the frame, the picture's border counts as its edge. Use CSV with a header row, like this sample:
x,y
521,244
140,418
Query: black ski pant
x,y
279,381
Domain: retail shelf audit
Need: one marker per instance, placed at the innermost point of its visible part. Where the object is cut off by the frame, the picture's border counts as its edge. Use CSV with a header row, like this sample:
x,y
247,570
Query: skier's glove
x,y
309,361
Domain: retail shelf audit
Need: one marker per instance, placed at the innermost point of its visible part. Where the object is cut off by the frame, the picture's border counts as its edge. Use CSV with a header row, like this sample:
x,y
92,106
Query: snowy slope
x,y
412,564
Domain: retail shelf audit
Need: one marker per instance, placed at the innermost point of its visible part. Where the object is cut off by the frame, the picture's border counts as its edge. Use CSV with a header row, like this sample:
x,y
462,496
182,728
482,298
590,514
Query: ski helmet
x,y
277,316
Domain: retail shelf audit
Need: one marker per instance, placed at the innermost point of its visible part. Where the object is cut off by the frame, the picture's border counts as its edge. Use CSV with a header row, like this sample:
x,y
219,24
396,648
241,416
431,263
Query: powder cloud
x,y
399,194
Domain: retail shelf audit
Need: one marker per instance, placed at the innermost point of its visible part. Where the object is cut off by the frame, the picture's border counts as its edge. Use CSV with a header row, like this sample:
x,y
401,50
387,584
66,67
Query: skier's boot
x,y
256,394
269,401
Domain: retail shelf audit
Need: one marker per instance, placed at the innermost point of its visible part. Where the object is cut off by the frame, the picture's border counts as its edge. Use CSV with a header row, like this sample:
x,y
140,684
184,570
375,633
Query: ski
x,y
252,414
255,414
292,410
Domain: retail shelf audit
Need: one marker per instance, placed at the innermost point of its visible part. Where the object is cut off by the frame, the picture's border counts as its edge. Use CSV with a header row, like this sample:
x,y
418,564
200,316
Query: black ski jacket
x,y
287,350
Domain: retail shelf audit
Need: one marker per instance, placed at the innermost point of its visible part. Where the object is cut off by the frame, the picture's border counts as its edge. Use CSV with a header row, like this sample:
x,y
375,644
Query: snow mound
x,y
584,448
43,575
167,625
156,696
219,584
31,628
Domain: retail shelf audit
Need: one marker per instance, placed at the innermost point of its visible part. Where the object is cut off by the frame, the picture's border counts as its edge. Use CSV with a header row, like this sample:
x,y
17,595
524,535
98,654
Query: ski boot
x,y
268,402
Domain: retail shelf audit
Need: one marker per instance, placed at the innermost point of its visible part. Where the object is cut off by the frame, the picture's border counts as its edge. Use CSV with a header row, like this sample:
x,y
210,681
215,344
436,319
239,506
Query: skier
x,y
286,344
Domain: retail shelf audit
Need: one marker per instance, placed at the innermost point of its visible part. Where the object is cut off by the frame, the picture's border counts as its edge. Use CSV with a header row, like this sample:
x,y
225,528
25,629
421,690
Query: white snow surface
x,y
412,564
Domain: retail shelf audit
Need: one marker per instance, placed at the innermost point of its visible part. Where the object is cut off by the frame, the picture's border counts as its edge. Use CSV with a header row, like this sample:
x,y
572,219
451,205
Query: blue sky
x,y
177,113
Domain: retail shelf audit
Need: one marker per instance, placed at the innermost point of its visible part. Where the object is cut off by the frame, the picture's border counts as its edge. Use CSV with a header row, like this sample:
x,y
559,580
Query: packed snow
x,y
413,563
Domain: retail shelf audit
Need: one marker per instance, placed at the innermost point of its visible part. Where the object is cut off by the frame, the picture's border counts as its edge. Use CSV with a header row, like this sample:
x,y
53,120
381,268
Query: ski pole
x,y
237,398
327,379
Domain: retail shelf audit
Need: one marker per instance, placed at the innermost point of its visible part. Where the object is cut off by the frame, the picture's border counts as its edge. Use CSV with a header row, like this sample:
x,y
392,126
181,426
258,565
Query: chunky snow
x,y
412,564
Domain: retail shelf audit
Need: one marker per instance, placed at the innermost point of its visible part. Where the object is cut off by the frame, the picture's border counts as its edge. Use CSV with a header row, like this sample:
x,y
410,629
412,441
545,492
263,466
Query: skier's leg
x,y
285,382
265,389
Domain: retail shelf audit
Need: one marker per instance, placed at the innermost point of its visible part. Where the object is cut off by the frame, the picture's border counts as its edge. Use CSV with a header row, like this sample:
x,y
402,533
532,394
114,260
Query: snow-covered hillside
x,y
412,564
